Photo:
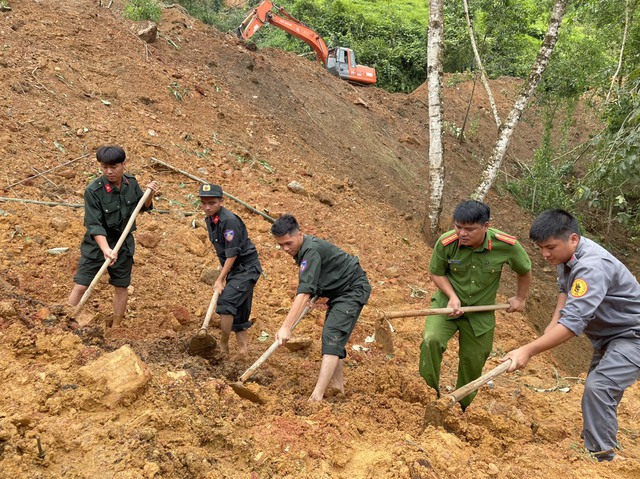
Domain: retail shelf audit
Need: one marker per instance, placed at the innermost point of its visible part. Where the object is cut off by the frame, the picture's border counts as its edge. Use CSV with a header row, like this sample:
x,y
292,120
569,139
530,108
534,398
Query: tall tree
x,y
483,73
507,129
435,48
627,21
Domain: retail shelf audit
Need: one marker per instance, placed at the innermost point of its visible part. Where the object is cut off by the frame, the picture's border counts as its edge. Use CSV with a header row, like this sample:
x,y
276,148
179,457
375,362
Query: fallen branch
x,y
46,171
237,200
80,205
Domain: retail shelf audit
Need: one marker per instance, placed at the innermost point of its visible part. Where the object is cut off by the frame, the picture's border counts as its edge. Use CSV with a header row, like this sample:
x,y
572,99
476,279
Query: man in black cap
x,y
240,267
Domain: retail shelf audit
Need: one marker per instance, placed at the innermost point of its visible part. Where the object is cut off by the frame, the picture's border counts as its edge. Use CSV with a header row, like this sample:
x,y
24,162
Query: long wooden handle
x,y
116,248
210,311
433,312
249,372
467,389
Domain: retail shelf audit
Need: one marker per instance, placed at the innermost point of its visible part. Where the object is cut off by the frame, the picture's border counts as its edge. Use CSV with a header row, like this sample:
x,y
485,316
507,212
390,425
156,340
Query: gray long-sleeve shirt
x,y
603,297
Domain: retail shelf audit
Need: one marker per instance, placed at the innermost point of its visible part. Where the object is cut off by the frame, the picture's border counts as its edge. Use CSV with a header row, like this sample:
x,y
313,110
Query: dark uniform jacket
x,y
107,210
324,269
230,238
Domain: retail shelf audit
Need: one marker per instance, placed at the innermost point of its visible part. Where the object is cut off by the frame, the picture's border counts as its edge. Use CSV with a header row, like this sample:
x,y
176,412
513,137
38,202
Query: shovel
x,y
203,344
437,410
383,327
115,249
239,387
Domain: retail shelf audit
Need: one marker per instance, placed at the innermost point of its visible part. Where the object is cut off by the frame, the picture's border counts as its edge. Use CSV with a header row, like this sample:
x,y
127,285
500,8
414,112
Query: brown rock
x,y
209,275
59,224
325,199
148,33
296,344
181,314
7,310
148,239
194,244
410,140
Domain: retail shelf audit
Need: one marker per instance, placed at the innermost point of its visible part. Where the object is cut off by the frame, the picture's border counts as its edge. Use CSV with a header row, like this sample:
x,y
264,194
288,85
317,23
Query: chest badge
x,y
579,288
229,235
303,265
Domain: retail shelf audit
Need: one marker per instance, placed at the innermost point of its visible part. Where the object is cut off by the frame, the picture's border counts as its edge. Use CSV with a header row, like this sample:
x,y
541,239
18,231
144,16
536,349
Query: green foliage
x,y
178,92
545,184
508,34
143,10
612,184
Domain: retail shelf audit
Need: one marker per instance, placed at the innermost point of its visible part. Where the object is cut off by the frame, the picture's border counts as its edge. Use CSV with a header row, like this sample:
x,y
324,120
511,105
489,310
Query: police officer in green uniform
x,y
600,297
239,267
466,266
109,202
324,270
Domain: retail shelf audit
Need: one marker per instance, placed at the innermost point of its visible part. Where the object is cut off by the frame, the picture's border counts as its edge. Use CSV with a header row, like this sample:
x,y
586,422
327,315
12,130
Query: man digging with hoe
x,y
323,270
466,266
109,203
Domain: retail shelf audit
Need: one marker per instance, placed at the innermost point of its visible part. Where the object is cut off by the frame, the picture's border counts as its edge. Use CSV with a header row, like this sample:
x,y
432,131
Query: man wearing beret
x,y
239,263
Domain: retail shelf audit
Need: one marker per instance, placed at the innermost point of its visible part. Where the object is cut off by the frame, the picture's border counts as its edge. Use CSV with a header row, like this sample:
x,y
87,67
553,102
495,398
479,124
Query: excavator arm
x,y
263,14
339,61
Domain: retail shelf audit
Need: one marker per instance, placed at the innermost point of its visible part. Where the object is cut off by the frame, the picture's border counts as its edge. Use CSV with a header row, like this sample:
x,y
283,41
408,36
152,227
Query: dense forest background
x,y
596,62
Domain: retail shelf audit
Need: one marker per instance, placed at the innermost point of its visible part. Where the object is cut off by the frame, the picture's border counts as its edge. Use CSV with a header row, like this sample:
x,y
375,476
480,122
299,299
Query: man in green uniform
x,y
324,270
109,202
466,266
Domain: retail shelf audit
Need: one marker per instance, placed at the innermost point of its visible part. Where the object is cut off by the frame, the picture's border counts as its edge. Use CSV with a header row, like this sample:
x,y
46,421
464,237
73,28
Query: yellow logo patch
x,y
579,288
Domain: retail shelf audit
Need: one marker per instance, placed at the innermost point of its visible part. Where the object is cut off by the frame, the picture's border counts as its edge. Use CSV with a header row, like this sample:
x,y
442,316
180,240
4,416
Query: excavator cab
x,y
341,62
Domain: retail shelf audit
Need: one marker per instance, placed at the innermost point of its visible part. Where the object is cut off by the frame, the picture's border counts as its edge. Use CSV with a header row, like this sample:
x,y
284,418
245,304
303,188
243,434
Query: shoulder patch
x,y
449,239
506,238
579,288
303,265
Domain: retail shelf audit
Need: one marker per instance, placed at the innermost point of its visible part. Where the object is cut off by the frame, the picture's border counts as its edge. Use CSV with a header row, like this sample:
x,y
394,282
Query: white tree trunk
x,y
435,47
500,148
624,42
483,74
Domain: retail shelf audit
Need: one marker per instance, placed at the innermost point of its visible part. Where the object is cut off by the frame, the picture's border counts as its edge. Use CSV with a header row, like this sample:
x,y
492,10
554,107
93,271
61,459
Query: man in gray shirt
x,y
600,298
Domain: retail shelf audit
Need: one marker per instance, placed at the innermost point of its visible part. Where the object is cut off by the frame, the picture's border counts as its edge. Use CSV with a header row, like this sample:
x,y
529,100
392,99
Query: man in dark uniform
x,y
600,297
324,270
466,266
239,263
109,202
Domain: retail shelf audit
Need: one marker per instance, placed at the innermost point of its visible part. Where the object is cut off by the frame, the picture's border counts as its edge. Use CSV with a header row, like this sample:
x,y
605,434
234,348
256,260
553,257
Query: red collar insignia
x,y
216,219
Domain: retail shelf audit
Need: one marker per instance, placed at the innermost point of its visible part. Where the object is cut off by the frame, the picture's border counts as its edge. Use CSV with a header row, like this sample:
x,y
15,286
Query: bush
x,y
143,10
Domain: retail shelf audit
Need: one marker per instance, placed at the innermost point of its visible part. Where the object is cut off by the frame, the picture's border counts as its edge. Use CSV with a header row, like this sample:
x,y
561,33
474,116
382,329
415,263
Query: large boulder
x,y
121,373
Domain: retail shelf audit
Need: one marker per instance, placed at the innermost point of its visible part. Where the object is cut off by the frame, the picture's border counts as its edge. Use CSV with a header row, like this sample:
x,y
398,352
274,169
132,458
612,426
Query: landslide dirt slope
x,y
75,76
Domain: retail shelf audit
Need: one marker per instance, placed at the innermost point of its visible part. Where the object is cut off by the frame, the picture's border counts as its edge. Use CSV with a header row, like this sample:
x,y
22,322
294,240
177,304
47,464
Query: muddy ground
x,y
75,76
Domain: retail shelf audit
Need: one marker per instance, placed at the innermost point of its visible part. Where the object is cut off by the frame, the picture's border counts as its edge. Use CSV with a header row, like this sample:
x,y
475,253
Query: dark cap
x,y
209,190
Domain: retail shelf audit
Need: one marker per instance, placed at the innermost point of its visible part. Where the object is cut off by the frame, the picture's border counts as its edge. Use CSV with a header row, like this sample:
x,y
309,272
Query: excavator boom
x,y
287,22
338,61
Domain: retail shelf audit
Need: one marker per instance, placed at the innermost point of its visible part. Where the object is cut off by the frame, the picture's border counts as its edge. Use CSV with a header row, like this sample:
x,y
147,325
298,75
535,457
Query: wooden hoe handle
x,y
249,372
210,311
467,389
433,312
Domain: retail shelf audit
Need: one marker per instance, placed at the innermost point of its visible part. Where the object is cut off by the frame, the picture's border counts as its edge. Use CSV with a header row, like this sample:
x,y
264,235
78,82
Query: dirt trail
x,y
75,76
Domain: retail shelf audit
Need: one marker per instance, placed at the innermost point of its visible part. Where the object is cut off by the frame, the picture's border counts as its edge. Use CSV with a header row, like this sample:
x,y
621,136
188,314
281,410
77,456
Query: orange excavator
x,y
339,61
